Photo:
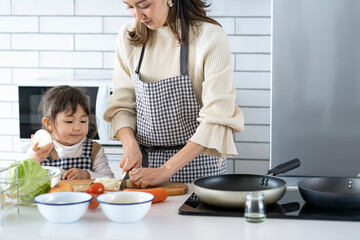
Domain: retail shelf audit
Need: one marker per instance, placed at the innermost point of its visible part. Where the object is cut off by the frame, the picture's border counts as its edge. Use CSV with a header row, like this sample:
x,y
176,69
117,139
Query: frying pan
x,y
331,192
230,190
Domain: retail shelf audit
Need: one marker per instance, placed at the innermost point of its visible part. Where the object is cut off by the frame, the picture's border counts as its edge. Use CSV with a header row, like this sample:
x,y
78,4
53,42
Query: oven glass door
x,y
29,100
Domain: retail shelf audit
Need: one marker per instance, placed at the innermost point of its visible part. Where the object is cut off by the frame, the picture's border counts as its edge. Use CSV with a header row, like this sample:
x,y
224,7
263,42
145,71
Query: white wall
x,y
76,39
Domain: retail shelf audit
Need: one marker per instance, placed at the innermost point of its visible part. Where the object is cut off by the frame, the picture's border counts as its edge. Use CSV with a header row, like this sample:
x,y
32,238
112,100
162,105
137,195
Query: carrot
x,y
160,194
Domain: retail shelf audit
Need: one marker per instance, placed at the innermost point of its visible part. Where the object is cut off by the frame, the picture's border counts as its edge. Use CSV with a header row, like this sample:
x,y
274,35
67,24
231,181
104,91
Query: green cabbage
x,y
33,180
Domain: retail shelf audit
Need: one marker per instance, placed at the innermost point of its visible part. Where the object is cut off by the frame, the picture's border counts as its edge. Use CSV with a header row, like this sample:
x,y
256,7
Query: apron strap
x,y
184,59
140,60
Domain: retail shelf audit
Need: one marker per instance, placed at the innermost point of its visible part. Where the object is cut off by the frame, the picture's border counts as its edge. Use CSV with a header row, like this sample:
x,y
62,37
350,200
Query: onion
x,y
42,137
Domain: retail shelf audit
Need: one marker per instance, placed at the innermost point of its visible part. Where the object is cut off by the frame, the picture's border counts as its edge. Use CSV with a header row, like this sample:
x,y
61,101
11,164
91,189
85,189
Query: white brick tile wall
x,y
10,155
252,62
255,133
42,42
25,75
252,167
71,59
103,7
230,165
75,39
93,74
109,58
233,57
20,145
233,8
5,110
113,24
253,150
19,59
70,24
18,24
253,80
42,7
15,110
259,26
5,75
228,24
250,44
9,127
253,98
5,42
8,93
256,115
6,143
5,7
95,42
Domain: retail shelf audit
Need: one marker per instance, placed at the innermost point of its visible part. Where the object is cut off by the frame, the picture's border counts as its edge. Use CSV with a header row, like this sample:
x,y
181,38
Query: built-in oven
x,y
30,95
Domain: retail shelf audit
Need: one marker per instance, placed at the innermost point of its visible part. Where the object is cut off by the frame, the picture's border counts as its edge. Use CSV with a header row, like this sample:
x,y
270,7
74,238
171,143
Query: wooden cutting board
x,y
173,188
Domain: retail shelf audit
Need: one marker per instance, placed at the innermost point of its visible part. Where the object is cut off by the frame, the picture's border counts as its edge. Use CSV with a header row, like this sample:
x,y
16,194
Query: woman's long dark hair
x,y
183,14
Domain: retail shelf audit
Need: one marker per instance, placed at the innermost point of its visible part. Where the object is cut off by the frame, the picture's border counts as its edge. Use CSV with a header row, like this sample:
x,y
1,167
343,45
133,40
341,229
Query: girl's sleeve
x,y
219,116
101,166
120,112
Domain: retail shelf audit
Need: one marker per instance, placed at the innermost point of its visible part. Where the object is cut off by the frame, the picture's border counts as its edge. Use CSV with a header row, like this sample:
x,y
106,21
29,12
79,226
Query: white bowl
x,y
63,207
125,207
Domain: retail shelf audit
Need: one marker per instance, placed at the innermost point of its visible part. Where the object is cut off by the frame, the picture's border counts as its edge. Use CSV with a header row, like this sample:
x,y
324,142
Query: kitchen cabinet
x,y
164,222
114,161
114,155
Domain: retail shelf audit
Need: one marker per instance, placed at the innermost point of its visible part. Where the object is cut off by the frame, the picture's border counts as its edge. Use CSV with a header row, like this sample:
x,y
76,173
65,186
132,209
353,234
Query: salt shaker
x,y
255,208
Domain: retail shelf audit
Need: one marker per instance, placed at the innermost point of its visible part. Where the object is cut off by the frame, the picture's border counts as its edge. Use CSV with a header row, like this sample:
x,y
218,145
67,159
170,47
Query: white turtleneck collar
x,y
64,151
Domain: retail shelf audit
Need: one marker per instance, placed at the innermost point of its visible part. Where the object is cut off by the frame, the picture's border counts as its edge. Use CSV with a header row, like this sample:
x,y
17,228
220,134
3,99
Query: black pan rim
x,y
303,186
281,182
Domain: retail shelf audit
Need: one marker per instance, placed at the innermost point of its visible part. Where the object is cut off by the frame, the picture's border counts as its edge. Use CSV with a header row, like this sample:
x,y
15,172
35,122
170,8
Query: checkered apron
x,y
83,162
166,119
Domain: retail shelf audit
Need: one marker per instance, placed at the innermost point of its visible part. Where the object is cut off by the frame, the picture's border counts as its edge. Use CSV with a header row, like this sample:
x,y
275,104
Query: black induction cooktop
x,y
291,206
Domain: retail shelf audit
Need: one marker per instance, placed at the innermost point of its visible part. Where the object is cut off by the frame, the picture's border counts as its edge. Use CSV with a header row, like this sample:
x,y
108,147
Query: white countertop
x,y
164,222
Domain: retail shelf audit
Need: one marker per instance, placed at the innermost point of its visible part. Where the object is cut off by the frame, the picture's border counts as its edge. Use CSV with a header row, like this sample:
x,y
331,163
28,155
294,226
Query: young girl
x,y
66,115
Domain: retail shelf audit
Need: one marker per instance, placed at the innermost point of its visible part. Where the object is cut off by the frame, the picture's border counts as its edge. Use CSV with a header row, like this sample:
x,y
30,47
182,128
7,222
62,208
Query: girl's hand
x,y
132,157
75,173
39,154
144,177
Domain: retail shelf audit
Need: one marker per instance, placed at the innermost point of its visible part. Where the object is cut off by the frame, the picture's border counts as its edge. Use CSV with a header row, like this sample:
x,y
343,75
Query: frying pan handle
x,y
285,167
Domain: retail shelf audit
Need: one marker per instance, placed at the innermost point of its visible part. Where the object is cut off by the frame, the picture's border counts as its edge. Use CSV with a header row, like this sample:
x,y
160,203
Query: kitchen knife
x,y
124,180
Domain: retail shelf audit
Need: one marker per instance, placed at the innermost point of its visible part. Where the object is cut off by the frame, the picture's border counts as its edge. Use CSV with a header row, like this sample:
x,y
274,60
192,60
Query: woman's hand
x,y
132,155
76,173
144,177
39,154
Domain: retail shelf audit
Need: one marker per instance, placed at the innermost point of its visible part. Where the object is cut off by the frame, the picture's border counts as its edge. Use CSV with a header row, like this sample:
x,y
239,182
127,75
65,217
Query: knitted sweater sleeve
x,y
121,104
219,116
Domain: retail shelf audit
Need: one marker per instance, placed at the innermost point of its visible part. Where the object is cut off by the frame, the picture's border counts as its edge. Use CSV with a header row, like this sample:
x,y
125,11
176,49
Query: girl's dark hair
x,y
183,14
66,99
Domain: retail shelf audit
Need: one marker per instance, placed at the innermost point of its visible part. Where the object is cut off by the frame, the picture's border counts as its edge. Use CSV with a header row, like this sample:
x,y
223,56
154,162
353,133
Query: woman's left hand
x,y
144,177
75,173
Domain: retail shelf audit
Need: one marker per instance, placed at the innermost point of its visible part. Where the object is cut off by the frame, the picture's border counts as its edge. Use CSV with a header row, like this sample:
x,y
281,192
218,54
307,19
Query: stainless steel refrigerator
x,y
315,85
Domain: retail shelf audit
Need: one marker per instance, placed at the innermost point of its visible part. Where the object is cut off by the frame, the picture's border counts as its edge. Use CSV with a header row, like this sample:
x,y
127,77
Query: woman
x,y
173,106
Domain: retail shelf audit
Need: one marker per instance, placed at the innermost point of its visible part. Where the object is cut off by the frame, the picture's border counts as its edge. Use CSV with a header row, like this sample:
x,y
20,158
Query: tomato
x,y
96,188
93,204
